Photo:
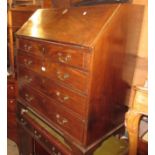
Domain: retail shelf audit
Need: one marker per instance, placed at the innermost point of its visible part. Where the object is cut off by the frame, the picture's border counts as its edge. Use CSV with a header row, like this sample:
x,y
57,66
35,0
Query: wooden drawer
x,y
77,57
11,91
11,105
54,113
61,94
11,124
11,113
42,133
11,119
68,76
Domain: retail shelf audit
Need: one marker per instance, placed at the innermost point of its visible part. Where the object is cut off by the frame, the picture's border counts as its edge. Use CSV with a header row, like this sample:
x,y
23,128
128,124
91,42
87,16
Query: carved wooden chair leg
x,y
132,123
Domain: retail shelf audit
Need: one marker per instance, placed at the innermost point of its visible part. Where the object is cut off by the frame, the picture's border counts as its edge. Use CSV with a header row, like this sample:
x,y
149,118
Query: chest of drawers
x,y
74,70
11,109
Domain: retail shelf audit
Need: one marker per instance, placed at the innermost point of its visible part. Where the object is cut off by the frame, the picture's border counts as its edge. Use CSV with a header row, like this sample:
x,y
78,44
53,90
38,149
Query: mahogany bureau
x,y
75,68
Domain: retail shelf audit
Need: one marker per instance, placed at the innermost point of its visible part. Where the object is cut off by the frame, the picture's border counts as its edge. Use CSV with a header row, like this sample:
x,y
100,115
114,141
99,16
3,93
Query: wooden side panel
x,y
141,72
143,44
112,71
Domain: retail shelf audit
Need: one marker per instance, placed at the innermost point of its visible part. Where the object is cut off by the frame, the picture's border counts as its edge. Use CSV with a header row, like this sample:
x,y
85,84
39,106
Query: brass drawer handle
x,y
54,153
23,122
37,136
11,87
42,50
62,76
28,62
23,111
27,48
43,68
64,59
61,97
28,79
28,97
43,81
11,101
60,120
53,148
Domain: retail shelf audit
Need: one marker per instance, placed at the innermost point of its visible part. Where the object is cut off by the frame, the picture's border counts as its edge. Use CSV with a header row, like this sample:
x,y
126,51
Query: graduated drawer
x,y
11,90
11,113
68,76
54,113
56,52
59,93
42,133
11,105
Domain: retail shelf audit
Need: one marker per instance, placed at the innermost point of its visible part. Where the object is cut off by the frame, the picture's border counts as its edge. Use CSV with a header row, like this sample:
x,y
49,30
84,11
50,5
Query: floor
x,y
12,148
121,147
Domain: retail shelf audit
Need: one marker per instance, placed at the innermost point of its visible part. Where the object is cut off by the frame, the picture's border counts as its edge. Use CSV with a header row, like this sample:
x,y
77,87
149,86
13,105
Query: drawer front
x,y
68,76
11,123
11,90
38,136
77,57
62,95
11,112
11,105
53,112
11,119
42,134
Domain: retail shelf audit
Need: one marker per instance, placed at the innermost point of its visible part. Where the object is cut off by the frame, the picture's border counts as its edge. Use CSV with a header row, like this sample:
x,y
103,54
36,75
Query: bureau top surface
x,y
77,25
